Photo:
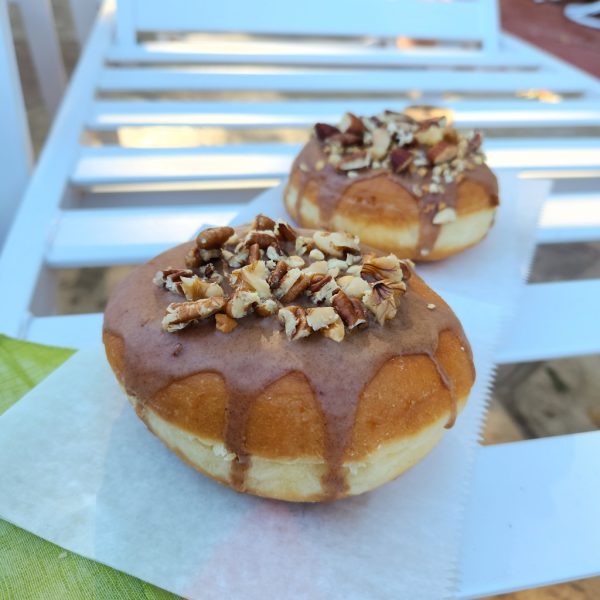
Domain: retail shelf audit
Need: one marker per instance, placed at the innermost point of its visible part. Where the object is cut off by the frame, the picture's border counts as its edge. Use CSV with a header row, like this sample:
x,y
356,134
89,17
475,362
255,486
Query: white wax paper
x,y
78,468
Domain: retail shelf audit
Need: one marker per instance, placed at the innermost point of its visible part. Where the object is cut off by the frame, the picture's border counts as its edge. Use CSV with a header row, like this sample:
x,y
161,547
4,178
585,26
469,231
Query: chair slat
x,y
97,166
108,114
554,320
104,237
255,79
288,53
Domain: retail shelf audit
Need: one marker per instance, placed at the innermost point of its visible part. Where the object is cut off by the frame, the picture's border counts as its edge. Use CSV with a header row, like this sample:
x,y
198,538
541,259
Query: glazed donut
x,y
296,365
417,188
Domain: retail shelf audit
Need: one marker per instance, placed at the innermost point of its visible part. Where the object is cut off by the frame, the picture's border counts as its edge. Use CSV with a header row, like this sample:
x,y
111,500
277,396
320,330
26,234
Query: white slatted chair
x,y
107,205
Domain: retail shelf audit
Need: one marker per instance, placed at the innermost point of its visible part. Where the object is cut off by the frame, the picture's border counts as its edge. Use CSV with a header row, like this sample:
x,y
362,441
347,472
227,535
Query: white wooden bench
x,y
107,205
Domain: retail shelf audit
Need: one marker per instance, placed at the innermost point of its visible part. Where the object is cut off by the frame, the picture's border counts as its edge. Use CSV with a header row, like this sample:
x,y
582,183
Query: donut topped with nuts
x,y
204,340
400,183
312,282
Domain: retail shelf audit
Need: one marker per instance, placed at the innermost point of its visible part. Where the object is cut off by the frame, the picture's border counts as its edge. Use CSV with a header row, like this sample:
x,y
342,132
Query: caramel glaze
x,y
257,353
333,184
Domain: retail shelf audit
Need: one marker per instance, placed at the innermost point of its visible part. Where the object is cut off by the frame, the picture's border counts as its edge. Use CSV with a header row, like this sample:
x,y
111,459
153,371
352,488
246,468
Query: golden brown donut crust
x,y
402,397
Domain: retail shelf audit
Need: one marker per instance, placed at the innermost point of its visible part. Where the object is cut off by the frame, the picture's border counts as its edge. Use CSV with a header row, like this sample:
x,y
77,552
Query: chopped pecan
x,y
262,223
294,322
324,292
195,288
293,283
316,254
336,243
236,260
442,152
317,281
382,299
400,159
192,258
253,277
171,279
345,139
324,131
350,123
335,331
241,303
284,232
430,133
350,310
254,253
381,143
320,317
266,308
319,266
388,267
182,314
294,262
358,160
273,253
355,287
264,239
277,274
213,237
304,245
225,323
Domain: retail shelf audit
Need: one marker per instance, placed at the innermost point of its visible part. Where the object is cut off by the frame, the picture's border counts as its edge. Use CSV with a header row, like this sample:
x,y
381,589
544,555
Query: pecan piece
x,y
293,283
182,314
320,317
284,232
294,322
388,267
171,279
442,152
225,323
355,287
350,123
400,159
336,243
264,239
241,303
266,308
253,277
350,310
358,160
213,237
381,142
324,131
335,331
264,223
254,253
195,288
277,274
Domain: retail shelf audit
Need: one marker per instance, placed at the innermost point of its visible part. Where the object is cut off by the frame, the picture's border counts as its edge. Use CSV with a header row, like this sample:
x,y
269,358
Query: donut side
x,y
400,417
386,216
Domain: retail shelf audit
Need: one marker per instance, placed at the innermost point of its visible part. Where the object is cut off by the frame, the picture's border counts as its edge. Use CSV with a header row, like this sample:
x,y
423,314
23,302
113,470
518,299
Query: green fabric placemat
x,y
31,567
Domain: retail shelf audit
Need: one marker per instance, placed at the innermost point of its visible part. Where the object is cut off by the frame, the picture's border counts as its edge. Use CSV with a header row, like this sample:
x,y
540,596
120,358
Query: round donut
x,y
418,188
296,365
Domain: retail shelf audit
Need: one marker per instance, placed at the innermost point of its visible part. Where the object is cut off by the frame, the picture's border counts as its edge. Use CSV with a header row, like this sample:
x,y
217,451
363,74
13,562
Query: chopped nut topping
x,y
273,266
336,243
182,314
241,303
431,306
254,276
213,238
350,310
294,322
263,223
225,323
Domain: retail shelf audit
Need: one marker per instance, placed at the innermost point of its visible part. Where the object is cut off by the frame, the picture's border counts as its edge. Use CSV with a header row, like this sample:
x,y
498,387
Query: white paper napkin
x,y
78,468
